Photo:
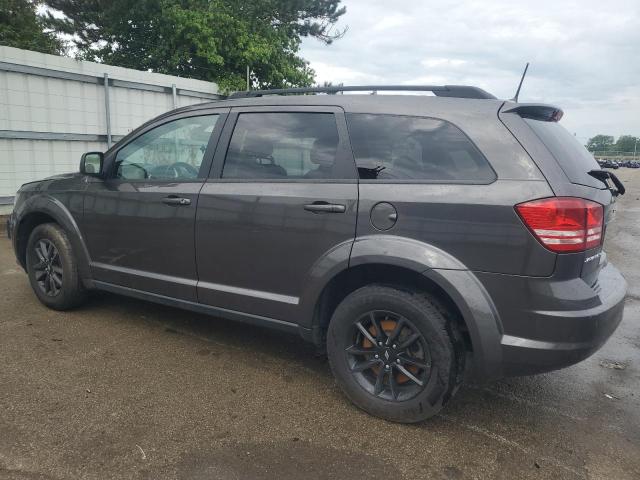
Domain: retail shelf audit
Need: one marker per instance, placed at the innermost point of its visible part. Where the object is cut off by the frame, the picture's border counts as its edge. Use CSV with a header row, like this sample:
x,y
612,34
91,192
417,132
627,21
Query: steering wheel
x,y
179,170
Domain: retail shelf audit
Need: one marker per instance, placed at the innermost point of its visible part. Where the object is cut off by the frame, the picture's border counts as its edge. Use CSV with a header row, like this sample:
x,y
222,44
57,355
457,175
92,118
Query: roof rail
x,y
458,91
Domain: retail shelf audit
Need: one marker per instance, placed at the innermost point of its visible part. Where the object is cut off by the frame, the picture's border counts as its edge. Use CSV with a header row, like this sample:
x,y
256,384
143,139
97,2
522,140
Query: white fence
x,y
52,109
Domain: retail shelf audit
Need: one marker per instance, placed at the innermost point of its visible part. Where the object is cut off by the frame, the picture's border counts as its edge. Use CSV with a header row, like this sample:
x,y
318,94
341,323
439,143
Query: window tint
x,y
390,147
282,145
574,159
171,151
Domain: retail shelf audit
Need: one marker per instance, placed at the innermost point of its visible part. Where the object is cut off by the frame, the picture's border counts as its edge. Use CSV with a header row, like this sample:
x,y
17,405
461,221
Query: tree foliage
x,y
212,40
627,143
600,143
21,27
606,143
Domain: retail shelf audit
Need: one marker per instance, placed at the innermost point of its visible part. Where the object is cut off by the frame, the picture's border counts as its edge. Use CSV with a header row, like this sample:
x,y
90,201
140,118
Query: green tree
x,y
212,40
21,27
600,143
626,143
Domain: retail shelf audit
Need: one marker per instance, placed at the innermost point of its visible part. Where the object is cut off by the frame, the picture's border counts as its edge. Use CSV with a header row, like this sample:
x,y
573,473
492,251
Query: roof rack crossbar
x,y
458,91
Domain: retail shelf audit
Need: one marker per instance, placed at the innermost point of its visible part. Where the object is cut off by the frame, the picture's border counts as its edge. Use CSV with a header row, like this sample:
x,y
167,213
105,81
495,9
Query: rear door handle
x,y
176,201
324,207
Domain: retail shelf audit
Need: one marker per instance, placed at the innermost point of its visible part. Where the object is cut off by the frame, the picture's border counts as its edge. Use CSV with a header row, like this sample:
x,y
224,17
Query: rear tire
x,y
52,268
431,362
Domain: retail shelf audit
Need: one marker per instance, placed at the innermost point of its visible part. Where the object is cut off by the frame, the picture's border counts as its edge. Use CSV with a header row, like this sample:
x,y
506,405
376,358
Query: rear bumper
x,y
536,341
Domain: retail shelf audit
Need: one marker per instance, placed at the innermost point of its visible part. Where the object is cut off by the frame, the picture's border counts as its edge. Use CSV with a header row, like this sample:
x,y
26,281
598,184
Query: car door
x,y
282,197
138,222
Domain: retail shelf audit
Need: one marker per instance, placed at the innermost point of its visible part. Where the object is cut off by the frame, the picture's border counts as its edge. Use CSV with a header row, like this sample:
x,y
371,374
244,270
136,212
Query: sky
x,y
584,55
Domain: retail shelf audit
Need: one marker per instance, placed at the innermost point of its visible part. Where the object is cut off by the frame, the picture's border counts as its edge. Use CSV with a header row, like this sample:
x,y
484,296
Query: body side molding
x,y
197,307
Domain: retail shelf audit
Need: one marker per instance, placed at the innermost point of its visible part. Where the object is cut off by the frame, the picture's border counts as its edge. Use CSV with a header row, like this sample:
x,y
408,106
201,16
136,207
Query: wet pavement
x,y
121,388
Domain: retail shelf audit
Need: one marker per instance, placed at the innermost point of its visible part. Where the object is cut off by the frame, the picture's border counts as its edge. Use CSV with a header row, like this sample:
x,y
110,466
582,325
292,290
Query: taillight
x,y
564,224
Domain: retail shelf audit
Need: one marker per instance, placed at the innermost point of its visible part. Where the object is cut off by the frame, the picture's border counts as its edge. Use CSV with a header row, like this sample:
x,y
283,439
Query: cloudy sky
x,y
584,54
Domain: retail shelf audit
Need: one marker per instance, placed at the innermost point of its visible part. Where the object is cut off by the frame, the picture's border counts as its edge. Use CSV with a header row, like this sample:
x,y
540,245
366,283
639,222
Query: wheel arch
x,y
410,264
46,209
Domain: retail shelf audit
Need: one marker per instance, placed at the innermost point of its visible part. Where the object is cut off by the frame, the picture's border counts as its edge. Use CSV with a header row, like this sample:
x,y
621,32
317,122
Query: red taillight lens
x,y
564,224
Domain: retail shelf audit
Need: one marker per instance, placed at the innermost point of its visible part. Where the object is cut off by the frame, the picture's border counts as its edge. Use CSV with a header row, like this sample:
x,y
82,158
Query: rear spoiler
x,y
537,111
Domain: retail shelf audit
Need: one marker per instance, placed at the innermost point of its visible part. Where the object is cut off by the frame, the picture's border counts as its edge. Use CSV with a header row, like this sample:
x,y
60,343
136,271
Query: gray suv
x,y
415,239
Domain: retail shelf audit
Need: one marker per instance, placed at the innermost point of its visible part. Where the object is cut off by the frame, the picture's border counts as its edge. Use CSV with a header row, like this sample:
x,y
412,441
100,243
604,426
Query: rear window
x,y
573,158
392,147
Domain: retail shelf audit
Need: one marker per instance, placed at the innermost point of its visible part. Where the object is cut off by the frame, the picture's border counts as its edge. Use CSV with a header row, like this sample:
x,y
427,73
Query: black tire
x,y
55,281
438,352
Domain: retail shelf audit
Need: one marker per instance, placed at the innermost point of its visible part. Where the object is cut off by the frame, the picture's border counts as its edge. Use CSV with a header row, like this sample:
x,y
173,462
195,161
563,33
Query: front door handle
x,y
171,200
324,207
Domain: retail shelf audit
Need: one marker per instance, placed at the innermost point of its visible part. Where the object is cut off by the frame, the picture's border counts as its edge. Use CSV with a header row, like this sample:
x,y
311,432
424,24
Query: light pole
x,y
635,148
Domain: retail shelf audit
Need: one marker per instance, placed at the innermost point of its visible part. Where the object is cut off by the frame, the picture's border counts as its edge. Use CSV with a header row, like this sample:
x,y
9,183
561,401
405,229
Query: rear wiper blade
x,y
604,175
370,173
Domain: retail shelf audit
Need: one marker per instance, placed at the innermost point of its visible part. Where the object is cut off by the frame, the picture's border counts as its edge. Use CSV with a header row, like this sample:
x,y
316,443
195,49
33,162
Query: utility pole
x,y
248,88
635,148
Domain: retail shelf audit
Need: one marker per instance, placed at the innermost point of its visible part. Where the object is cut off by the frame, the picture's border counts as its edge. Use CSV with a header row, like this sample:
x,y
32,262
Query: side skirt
x,y
198,307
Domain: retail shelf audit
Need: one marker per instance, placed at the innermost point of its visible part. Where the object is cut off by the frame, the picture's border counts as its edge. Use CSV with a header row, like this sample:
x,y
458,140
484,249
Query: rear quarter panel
x,y
475,223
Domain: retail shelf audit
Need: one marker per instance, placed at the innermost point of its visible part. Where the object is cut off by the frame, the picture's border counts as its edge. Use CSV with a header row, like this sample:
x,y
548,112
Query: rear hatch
x,y
552,144
573,158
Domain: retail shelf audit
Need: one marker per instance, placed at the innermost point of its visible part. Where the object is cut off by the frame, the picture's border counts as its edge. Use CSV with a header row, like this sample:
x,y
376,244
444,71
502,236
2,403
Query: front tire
x,y
393,353
52,268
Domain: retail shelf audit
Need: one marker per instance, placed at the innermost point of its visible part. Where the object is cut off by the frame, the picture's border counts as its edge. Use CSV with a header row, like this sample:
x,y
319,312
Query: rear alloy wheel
x,y
389,356
392,352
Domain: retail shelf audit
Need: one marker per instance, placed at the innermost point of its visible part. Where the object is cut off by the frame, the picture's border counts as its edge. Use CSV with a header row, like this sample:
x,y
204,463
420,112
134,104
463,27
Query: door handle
x,y
176,201
324,207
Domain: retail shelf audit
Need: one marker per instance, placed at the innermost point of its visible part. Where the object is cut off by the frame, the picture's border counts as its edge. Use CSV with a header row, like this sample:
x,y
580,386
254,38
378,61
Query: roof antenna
x,y
515,98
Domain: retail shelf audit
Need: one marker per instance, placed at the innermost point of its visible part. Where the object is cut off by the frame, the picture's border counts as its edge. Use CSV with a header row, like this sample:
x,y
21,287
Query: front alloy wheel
x,y
53,268
48,267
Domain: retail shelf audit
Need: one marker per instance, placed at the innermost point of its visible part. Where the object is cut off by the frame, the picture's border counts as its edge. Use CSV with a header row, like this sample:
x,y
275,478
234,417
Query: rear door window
x,y
283,146
393,147
574,159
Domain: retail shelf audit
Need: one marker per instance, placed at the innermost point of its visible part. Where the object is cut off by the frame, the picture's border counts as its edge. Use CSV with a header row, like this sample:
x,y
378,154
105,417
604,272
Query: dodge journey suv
x,y
415,239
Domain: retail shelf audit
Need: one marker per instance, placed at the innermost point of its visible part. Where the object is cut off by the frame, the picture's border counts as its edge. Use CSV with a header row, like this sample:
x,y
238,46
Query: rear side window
x,y
283,146
573,158
392,147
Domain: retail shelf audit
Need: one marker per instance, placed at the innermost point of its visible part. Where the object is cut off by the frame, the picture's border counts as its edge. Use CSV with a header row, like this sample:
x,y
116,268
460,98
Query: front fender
x,y
54,208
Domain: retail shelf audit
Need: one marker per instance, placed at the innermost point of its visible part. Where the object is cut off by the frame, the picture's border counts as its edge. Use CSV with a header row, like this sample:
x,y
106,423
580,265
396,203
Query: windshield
x,y
573,158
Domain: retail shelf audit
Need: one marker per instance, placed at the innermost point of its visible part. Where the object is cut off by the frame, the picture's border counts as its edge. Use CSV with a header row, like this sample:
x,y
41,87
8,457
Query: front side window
x,y
393,147
283,146
171,151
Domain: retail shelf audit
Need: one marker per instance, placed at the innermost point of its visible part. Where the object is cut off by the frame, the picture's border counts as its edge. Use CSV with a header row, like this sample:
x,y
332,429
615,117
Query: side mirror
x,y
91,163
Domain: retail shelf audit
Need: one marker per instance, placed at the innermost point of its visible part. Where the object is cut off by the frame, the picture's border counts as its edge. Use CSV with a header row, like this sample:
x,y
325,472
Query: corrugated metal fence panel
x,y
40,104
23,161
130,108
52,109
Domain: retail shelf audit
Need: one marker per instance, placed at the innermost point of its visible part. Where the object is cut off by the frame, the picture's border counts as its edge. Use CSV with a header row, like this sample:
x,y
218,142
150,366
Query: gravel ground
x,y
126,389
